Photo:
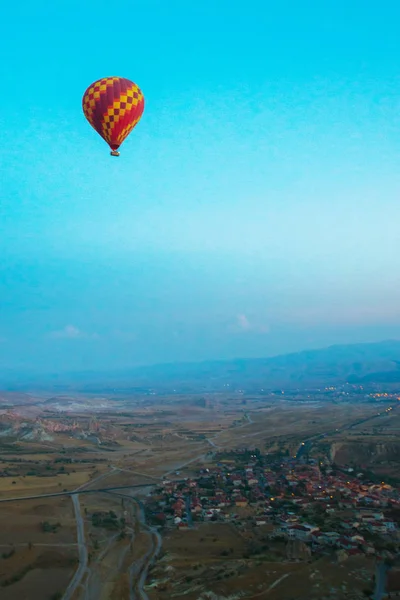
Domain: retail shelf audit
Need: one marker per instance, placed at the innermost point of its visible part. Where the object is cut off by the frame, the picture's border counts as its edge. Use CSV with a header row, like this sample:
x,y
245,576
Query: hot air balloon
x,y
113,106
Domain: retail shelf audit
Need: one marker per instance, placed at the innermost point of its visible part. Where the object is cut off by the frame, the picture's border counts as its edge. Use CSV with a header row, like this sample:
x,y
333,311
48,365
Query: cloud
x,y
70,332
244,324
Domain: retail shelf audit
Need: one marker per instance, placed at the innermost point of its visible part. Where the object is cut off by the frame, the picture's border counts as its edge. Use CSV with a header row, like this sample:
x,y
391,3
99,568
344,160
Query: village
x,y
315,507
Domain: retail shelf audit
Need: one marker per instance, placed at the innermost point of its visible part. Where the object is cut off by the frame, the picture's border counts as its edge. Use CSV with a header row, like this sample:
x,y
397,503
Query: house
x,y
237,481
345,543
298,532
241,501
317,537
368,516
211,512
330,537
348,525
301,502
311,528
377,527
389,525
178,508
357,539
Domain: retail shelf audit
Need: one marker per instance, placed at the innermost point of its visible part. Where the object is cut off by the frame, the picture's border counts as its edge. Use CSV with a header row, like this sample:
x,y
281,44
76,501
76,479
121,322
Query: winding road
x,y
138,571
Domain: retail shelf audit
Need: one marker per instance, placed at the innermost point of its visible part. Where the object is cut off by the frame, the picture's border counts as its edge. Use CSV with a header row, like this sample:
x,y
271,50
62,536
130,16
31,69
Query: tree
x,y
389,562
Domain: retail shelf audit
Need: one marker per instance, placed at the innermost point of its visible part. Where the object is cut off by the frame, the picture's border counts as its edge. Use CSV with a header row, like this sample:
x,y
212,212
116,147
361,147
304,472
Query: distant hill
x,y
378,362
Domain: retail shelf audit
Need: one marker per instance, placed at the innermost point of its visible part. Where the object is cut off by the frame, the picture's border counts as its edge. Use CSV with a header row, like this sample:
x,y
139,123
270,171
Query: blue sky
x,y
254,210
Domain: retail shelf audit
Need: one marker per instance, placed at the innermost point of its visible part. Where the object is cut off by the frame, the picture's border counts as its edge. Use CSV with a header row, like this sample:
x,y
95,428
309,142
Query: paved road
x,y
112,471
39,545
380,581
212,443
140,473
308,443
75,492
83,555
209,440
182,466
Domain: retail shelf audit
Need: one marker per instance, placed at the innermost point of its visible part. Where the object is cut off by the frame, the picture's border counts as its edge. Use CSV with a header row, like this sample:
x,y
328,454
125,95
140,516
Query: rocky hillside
x,y
365,452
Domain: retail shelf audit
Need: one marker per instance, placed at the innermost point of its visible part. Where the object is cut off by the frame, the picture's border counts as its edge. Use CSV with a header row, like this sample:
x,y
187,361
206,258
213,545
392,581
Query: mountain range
x,y
355,363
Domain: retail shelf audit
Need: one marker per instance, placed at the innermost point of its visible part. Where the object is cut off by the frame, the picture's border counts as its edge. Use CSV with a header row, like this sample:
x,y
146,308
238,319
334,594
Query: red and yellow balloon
x,y
113,106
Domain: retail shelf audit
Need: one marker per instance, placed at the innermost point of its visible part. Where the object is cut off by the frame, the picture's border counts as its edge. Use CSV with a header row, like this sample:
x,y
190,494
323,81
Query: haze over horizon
x,y
254,211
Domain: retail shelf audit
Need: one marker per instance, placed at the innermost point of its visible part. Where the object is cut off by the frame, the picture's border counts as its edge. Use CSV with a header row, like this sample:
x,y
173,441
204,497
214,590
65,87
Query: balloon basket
x,y
114,153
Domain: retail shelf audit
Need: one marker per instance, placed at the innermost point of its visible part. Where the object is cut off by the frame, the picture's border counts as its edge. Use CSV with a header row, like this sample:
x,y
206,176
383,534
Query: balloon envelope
x,y
113,106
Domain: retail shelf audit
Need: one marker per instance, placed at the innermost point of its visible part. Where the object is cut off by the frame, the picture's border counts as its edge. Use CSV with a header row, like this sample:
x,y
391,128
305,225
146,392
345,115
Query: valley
x,y
78,477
